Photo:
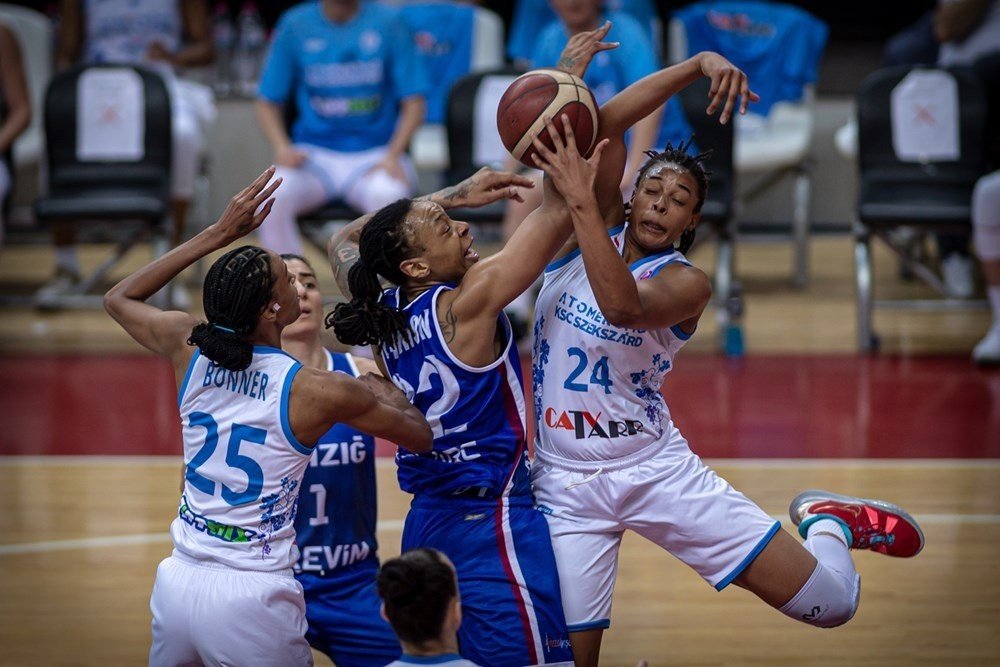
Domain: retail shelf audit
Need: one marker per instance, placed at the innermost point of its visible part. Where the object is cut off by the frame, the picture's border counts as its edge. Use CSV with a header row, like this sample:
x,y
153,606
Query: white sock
x,y
828,544
66,258
993,292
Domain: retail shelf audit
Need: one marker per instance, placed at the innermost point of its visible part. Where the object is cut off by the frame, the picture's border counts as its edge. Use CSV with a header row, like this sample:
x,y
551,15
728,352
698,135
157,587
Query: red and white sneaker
x,y
869,524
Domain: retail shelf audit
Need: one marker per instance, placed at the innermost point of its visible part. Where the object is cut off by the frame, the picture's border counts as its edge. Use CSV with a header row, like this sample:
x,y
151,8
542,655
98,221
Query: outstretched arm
x,y
483,187
646,95
492,283
166,332
370,404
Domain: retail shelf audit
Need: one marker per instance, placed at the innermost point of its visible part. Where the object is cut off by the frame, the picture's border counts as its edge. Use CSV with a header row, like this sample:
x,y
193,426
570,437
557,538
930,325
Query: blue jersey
x,y
347,78
443,35
530,15
477,414
778,46
337,512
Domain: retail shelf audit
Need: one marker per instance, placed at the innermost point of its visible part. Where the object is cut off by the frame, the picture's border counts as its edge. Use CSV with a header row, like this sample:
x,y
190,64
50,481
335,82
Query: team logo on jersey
x,y
370,41
583,424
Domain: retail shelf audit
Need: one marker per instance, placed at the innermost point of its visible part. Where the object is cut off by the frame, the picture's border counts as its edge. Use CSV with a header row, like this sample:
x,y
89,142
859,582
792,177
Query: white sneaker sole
x,y
816,495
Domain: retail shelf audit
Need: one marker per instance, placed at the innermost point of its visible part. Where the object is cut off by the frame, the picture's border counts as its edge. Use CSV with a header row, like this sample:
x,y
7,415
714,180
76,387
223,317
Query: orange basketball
x,y
540,93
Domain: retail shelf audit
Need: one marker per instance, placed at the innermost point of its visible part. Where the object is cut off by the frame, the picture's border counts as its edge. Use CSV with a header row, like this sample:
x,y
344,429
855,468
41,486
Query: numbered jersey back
x,y
597,386
244,465
477,414
335,523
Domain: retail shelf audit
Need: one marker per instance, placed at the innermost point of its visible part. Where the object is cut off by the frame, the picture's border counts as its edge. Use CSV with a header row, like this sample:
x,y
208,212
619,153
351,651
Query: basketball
x,y
540,93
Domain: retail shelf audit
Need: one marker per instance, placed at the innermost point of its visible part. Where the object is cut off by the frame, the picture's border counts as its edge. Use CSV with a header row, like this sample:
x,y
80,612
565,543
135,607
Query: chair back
x,y
473,139
710,135
108,125
899,184
452,40
34,35
778,46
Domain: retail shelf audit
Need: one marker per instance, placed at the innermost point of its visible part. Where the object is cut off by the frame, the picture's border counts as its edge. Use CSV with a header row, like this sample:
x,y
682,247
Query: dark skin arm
x,y
166,332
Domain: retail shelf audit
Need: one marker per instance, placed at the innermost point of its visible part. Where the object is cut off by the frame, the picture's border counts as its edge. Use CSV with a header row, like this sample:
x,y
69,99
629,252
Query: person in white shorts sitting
x,y
616,305
251,415
350,70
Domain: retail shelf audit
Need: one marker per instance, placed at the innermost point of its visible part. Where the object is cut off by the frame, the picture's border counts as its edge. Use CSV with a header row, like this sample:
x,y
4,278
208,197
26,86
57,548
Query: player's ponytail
x,y
237,288
417,589
366,319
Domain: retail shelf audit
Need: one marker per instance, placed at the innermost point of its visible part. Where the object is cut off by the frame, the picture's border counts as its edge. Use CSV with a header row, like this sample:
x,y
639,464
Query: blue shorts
x,y
512,613
344,620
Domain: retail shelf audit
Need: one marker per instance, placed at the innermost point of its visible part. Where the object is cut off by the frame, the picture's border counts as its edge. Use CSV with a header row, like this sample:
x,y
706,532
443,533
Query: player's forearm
x,y
151,278
647,94
643,138
412,112
342,251
197,54
269,117
612,283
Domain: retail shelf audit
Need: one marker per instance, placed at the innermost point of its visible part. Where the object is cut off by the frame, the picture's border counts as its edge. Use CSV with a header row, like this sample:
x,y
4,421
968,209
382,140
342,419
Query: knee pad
x,y
827,599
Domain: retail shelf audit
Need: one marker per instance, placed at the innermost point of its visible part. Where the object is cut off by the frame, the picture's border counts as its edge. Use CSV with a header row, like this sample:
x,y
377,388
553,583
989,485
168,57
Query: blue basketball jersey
x,y
477,414
337,512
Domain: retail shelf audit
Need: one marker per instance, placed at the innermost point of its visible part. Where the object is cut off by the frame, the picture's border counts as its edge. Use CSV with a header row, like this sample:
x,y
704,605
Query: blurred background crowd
x,y
877,120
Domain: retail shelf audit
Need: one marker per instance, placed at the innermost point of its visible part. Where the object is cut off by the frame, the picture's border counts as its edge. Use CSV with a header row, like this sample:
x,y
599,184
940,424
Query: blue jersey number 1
x,y
238,434
600,375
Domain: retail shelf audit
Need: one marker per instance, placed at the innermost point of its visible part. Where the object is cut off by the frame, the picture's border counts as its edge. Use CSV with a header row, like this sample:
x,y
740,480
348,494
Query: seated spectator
x,y
986,227
15,109
163,35
350,71
420,599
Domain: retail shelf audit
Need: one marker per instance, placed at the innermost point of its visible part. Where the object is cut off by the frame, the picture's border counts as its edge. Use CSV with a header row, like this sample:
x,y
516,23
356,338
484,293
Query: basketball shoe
x,y
868,524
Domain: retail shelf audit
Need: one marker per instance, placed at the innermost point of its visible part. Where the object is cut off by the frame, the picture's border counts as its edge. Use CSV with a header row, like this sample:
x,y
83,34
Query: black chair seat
x,y
104,204
883,203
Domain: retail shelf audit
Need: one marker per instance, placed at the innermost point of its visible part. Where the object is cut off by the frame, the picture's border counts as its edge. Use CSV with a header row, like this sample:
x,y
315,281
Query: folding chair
x,y
107,130
718,212
473,140
931,192
779,46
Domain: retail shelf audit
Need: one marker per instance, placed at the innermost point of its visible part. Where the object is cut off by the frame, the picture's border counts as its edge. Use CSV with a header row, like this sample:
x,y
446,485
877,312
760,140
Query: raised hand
x,y
581,47
728,83
248,208
572,175
483,187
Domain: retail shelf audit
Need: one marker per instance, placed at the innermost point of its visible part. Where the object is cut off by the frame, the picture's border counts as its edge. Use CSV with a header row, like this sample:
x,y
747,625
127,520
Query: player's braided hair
x,y
417,588
237,288
384,243
692,163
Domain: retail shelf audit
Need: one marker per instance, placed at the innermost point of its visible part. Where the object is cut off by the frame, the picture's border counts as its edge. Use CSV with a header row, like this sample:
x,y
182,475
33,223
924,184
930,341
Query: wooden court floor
x,y
80,539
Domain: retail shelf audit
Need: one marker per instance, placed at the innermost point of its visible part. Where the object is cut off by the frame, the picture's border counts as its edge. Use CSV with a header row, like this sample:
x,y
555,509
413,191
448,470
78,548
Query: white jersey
x,y
244,464
597,386
450,660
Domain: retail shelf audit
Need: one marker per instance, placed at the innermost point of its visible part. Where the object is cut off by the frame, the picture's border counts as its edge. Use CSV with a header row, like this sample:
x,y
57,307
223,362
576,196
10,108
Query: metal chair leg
x,y
724,262
863,282
800,226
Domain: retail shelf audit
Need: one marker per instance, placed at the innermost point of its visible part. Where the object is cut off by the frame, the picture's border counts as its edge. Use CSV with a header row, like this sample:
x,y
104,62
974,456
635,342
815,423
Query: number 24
x,y
600,375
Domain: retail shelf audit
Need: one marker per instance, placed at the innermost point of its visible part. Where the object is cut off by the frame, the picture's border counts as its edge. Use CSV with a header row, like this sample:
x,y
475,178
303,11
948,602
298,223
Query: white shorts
x,y
664,493
214,615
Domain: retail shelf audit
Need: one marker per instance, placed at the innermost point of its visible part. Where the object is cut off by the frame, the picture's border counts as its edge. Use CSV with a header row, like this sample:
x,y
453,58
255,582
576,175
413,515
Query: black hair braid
x,y
365,319
237,288
417,588
693,164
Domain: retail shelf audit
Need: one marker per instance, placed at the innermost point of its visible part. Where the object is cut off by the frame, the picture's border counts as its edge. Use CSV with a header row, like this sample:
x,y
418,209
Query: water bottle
x,y
249,50
734,330
224,37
